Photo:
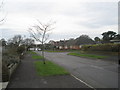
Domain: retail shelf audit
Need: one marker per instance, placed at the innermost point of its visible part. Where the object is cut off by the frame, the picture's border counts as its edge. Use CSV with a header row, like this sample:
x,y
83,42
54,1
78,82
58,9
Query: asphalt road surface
x,y
25,76
94,72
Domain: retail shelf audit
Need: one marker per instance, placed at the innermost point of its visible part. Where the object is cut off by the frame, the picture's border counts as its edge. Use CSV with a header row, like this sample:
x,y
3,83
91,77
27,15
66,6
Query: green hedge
x,y
102,47
9,56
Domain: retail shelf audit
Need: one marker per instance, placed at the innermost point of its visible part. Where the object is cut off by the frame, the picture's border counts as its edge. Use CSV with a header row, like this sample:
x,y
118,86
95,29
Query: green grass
x,y
103,53
87,55
37,57
33,53
49,69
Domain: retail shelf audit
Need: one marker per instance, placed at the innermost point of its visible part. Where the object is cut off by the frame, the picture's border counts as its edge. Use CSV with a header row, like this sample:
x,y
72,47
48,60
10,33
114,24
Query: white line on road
x,y
83,82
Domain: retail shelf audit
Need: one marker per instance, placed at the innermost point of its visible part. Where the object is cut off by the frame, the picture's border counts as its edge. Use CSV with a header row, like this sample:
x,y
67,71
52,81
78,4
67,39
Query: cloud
x,y
8,33
73,17
29,7
97,15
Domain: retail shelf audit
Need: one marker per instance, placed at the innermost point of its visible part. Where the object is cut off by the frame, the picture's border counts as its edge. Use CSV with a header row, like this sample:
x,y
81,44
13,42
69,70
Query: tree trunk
x,y
118,54
43,54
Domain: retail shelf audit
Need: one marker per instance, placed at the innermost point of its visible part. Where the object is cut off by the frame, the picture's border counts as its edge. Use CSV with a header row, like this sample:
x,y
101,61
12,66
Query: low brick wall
x,y
12,68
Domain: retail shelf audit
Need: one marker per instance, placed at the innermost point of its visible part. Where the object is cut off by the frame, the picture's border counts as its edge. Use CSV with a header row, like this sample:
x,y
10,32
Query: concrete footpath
x,y
25,76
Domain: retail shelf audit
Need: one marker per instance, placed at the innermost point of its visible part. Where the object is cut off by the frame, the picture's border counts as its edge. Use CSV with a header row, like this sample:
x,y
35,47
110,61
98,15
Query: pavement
x,y
25,76
96,73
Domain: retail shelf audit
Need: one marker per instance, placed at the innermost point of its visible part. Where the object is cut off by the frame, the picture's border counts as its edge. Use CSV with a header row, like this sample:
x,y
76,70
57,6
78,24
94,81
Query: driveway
x,y
94,72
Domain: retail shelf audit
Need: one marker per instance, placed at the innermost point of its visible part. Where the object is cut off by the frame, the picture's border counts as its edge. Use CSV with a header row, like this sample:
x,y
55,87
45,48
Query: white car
x,y
38,49
32,49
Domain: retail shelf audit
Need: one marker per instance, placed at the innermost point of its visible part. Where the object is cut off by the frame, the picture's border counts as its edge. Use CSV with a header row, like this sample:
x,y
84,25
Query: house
x,y
72,43
115,41
66,44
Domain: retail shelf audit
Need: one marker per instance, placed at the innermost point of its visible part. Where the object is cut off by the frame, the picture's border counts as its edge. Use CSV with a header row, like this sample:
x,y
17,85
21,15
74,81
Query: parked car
x,y
38,49
32,49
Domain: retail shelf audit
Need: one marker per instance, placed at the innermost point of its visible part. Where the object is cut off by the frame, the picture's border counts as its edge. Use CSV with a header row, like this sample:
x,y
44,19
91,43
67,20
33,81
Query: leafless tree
x,y
40,32
16,40
28,42
1,7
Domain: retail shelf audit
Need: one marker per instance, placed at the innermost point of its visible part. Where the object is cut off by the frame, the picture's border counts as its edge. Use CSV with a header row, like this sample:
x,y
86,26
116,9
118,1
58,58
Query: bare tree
x,y
40,33
16,40
28,42
1,7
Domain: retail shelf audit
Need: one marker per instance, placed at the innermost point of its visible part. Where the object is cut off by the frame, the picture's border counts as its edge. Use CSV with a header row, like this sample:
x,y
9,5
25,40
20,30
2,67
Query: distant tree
x,y
117,37
85,36
28,42
84,39
97,39
1,6
107,36
20,49
16,40
40,33
3,42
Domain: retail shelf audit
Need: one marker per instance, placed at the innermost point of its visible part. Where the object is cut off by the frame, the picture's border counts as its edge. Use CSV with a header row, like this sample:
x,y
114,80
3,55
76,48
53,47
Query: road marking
x,y
83,82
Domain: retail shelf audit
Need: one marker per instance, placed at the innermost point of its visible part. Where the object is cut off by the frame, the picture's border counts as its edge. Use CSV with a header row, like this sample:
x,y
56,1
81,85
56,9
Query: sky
x,y
73,17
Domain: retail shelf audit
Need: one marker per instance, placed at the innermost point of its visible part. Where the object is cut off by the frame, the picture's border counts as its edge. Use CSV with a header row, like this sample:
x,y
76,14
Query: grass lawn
x,y
37,57
87,55
33,53
102,53
49,69
87,52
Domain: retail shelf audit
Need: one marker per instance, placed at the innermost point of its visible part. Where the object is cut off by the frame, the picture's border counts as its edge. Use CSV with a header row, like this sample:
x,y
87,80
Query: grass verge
x,y
33,53
37,57
49,69
87,55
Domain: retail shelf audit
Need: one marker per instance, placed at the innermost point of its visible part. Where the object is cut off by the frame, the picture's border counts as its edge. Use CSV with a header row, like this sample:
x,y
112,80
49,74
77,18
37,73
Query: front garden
x,y
11,58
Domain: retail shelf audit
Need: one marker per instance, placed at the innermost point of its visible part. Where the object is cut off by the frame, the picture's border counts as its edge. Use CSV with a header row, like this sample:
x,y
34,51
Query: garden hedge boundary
x,y
102,47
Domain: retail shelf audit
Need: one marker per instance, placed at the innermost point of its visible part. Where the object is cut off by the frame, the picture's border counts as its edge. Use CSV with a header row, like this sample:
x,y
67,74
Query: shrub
x,y
101,47
20,49
5,72
9,57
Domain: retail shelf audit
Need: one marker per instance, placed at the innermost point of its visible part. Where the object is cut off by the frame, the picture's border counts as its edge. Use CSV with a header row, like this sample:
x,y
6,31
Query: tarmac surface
x,y
25,76
97,73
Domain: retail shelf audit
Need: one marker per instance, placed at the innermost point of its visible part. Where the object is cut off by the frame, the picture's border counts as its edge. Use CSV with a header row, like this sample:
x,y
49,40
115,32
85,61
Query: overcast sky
x,y
73,17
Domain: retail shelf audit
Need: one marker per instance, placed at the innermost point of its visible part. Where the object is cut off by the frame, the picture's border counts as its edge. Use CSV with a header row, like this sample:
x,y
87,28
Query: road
x,y
95,72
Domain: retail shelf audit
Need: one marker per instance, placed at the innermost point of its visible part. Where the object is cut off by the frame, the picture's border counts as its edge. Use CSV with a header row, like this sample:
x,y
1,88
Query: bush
x,y
102,47
20,50
9,57
5,72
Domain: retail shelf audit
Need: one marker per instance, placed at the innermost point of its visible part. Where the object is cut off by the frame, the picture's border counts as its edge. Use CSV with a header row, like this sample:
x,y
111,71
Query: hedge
x,y
102,47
